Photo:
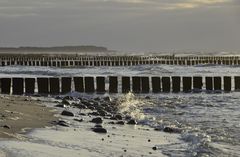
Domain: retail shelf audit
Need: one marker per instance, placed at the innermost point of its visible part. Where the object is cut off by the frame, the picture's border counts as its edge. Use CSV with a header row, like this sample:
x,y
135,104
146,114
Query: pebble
x,y
67,113
99,130
132,122
97,120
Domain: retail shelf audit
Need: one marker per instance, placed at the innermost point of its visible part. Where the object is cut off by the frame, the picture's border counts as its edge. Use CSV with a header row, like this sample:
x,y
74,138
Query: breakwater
x,y
74,60
118,84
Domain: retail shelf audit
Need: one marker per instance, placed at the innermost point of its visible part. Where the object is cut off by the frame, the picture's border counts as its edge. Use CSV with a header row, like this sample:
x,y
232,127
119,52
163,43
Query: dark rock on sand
x,y
67,113
147,97
154,148
91,107
6,126
107,98
68,98
94,114
97,120
127,117
61,123
120,122
171,130
65,102
60,105
78,120
58,98
132,122
99,130
81,106
82,114
118,117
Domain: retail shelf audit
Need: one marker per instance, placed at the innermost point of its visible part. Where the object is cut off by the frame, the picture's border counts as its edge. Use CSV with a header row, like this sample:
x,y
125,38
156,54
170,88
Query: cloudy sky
x,y
127,25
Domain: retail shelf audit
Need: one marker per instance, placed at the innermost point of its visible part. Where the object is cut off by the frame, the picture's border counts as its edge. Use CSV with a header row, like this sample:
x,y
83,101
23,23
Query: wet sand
x,y
18,113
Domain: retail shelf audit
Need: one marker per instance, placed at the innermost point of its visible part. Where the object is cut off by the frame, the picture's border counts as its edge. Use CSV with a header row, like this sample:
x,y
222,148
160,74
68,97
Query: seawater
x,y
209,123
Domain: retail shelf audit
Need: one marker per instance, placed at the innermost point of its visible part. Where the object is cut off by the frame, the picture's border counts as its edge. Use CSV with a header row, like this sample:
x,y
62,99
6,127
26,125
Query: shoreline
x,y
20,114
76,135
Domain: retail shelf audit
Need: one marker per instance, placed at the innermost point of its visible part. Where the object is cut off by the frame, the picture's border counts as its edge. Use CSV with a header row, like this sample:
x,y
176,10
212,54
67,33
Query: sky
x,y
124,25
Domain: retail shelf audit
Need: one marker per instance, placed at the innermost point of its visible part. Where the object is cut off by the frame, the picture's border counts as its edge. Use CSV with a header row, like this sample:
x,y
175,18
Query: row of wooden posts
x,y
80,63
136,84
71,60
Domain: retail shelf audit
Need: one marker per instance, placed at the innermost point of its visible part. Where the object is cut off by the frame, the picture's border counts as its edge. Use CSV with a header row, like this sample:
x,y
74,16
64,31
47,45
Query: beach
x,y
18,113
74,135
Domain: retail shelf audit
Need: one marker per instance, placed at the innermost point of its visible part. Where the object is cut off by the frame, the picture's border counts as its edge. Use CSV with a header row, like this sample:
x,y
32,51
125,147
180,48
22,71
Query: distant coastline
x,y
87,48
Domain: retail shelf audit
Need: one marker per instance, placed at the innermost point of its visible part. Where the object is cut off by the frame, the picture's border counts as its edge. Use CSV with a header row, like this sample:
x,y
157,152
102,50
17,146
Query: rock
x,y
67,113
6,126
113,118
82,114
62,123
91,107
94,114
78,120
107,98
99,130
81,106
154,148
128,117
58,98
111,123
120,122
97,99
132,122
118,117
147,97
97,120
66,102
68,98
60,105
102,112
171,130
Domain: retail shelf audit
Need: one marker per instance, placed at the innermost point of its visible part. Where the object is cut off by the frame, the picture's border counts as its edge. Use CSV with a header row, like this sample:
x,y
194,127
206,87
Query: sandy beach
x,y
18,113
74,135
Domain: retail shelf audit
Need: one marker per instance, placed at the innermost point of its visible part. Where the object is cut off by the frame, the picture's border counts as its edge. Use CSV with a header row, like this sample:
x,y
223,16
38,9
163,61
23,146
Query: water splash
x,y
131,105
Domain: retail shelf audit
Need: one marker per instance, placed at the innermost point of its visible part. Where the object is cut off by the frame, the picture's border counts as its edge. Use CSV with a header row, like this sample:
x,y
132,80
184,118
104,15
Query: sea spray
x,y
131,105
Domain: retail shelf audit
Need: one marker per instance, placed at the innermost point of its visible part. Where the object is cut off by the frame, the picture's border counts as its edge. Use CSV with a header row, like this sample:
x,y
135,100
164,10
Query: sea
x,y
208,123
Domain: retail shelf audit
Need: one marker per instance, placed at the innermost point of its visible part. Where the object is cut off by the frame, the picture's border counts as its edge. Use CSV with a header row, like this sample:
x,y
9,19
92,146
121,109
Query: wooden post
x,y
125,84
78,84
209,83
187,84
17,86
217,83
156,84
166,86
43,85
29,85
197,84
5,85
66,84
237,83
136,84
176,84
100,84
89,84
54,86
113,84
145,84
227,83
